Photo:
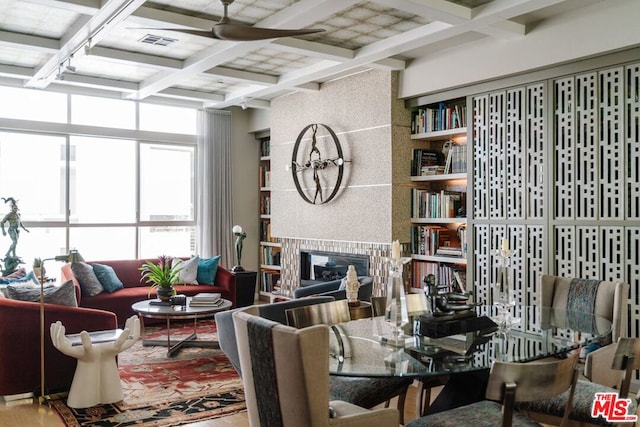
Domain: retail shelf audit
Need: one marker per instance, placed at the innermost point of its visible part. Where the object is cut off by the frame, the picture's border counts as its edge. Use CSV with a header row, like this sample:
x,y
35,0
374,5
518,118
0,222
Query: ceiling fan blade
x,y
202,33
238,33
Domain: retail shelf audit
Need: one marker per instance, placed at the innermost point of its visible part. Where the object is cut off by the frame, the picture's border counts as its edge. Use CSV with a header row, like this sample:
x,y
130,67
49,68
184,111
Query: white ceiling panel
x,y
38,37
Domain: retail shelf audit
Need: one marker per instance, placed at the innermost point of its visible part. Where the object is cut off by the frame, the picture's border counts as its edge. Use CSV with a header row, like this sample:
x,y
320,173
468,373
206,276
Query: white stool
x,y
96,379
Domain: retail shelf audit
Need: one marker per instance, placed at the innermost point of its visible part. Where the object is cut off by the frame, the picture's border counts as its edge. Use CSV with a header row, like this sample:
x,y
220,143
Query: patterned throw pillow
x,y
89,283
64,294
188,270
29,279
207,269
107,277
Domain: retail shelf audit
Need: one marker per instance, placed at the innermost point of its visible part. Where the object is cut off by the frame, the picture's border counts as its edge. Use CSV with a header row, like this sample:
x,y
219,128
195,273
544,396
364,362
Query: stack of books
x,y
206,299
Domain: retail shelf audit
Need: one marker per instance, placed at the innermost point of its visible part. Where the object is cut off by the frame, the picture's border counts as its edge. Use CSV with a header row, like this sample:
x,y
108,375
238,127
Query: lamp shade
x,y
74,256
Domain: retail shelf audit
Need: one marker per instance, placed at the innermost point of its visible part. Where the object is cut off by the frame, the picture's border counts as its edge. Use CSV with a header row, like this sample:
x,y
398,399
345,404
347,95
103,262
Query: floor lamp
x,y
72,256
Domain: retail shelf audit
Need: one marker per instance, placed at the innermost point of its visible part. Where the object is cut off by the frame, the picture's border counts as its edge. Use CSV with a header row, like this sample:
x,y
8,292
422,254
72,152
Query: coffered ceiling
x,y
116,47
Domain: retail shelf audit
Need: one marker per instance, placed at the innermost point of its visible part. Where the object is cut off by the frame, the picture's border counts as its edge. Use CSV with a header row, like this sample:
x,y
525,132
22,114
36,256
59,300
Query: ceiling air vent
x,y
157,40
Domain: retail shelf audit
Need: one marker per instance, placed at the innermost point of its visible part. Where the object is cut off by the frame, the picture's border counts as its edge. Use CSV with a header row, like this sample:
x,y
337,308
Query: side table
x,y
245,287
96,379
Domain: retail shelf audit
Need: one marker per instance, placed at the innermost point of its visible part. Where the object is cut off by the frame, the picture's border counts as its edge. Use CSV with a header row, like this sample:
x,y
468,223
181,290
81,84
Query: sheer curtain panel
x,y
215,208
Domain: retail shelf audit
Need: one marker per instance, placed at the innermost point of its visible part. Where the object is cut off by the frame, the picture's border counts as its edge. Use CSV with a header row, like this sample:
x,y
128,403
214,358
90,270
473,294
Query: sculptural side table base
x,y
96,380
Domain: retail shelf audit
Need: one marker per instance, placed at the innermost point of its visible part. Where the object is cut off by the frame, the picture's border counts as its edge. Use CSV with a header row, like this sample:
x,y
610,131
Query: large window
x,y
102,172
31,171
166,182
110,194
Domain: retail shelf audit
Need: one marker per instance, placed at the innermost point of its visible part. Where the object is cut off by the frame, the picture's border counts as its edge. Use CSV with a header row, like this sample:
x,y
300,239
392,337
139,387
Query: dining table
x,y
461,347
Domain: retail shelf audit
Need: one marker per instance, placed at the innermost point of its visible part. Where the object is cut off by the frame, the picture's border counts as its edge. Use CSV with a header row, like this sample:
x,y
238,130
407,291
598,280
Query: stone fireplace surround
x,y
291,249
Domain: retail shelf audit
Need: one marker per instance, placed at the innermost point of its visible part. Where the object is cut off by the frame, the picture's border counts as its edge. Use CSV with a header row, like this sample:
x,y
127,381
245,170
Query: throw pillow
x,y
29,279
107,277
207,269
89,283
188,270
64,294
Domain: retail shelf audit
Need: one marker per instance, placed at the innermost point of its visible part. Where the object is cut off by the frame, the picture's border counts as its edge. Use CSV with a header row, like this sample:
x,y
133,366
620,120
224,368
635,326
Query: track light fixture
x,y
70,67
60,76
87,47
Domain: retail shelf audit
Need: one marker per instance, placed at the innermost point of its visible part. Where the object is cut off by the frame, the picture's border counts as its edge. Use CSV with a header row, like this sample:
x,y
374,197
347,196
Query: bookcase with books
x,y
269,245
439,190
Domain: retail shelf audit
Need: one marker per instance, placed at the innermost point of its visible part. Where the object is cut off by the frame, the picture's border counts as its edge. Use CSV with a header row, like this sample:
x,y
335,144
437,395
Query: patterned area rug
x,y
194,385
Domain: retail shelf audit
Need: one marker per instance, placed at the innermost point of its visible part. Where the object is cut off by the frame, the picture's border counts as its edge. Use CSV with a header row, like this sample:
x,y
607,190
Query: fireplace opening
x,y
322,266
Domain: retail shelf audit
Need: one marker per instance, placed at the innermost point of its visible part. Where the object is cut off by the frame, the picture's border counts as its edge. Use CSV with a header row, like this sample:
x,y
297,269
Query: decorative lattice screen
x,y
508,187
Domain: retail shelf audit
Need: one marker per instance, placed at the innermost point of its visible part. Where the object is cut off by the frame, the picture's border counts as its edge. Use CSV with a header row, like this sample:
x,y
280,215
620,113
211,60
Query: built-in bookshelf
x,y
439,177
270,246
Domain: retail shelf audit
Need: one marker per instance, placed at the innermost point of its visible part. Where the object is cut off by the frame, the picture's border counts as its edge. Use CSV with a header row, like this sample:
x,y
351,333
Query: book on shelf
x,y
265,147
270,280
437,117
426,239
265,176
444,274
427,203
461,280
265,205
425,160
449,251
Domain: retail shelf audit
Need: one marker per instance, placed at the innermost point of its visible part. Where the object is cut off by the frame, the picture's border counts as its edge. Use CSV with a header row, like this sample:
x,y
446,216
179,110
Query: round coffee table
x,y
178,312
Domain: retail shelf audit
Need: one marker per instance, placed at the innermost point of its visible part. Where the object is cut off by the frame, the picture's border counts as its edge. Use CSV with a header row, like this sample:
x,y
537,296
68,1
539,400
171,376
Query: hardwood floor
x,y
26,413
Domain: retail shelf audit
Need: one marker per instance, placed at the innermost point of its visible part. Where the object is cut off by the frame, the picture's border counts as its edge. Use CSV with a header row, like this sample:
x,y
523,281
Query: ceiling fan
x,y
225,30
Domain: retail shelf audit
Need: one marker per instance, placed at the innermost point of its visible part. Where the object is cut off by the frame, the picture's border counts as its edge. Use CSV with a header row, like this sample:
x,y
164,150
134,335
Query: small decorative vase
x,y
165,294
396,313
503,297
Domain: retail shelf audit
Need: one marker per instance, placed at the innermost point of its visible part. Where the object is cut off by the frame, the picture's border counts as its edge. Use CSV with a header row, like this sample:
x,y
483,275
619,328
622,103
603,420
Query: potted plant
x,y
162,276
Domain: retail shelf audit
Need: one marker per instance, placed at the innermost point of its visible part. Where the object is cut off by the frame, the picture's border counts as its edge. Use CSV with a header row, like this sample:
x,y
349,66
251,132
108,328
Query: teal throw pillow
x,y
107,277
207,269
64,294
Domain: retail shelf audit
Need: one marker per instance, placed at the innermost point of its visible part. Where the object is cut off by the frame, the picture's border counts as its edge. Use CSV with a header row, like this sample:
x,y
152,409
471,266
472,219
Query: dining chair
x,y
366,392
626,361
603,298
286,378
276,311
508,384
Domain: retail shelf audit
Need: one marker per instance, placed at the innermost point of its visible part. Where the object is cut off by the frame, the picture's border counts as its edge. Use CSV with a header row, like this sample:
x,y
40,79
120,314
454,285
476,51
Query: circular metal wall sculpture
x,y
324,172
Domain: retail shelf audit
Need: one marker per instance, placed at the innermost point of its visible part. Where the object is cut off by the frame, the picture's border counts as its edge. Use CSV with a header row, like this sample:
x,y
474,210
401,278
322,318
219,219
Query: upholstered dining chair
x,y
276,311
286,378
510,383
626,361
602,298
362,391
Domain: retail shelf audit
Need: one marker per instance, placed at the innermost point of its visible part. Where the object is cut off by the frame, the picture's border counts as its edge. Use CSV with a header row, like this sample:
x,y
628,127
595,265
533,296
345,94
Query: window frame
x,y
68,130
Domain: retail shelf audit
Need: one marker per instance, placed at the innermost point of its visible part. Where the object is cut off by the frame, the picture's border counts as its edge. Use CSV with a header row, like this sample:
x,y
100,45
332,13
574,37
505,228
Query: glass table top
x,y
533,333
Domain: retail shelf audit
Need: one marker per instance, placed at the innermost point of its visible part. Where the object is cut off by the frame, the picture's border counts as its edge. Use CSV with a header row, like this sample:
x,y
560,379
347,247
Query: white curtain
x,y
215,207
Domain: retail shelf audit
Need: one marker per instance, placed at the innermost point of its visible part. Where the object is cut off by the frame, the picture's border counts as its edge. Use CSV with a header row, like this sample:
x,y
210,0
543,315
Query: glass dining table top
x,y
361,347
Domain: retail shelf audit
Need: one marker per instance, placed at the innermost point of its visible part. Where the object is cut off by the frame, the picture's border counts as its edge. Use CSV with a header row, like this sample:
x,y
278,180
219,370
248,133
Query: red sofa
x,y
20,344
120,301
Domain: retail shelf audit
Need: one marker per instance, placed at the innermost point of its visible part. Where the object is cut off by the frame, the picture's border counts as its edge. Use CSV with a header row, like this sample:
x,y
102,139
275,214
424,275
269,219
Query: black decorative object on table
x,y
458,323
